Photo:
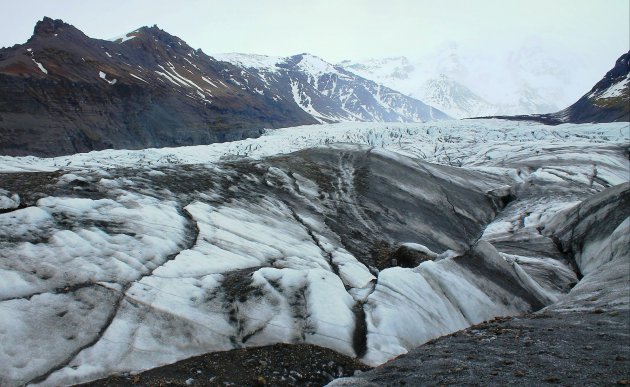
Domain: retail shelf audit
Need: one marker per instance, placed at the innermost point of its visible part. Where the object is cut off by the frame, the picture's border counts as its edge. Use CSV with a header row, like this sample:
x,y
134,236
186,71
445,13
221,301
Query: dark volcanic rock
x,y
62,92
599,106
587,349
405,256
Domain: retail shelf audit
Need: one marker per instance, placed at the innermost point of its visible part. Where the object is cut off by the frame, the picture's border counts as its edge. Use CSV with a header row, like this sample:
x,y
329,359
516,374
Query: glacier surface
x,y
369,239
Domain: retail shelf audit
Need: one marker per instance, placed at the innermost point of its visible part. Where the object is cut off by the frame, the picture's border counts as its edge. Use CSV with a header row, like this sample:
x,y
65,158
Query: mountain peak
x,y
312,64
305,56
618,73
154,30
48,26
156,33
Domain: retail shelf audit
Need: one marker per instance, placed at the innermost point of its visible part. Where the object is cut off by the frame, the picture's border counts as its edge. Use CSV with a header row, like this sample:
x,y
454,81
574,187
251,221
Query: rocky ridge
x,y
62,92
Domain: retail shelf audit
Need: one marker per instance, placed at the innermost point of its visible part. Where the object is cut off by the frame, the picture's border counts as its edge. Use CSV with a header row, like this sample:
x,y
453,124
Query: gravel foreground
x,y
275,365
545,348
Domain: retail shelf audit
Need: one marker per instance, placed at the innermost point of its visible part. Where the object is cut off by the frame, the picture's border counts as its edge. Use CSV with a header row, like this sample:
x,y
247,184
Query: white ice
x,y
259,272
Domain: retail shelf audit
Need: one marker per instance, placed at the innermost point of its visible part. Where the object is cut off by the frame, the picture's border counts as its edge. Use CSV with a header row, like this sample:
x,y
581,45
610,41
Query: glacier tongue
x,y
131,260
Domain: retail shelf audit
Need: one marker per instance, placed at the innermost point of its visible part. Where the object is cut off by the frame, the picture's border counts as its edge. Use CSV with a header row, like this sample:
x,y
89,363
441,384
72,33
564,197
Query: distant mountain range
x,y
607,101
528,80
62,92
441,91
454,98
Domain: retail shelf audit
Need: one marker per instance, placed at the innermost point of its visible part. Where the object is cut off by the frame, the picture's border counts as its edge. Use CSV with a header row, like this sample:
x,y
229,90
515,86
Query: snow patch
x,y
8,200
124,38
260,62
617,89
40,66
137,77
103,76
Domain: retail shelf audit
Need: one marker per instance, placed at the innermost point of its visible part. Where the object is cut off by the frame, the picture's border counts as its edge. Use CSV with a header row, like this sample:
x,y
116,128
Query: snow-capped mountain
x,y
607,101
530,79
453,98
439,90
330,93
63,92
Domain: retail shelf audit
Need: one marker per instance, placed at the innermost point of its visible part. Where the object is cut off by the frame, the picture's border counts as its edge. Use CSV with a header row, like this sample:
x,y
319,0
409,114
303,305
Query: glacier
x,y
366,238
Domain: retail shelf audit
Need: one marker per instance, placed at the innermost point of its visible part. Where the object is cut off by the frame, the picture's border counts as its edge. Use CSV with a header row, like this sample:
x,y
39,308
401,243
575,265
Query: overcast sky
x,y
597,30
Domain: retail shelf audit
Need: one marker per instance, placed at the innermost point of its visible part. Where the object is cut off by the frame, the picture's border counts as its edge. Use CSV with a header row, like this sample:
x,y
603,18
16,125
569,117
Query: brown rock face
x,y
62,92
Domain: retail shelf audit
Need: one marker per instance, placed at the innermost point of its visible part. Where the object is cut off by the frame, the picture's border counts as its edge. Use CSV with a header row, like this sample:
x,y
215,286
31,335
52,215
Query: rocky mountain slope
x,y
121,261
62,92
607,101
332,94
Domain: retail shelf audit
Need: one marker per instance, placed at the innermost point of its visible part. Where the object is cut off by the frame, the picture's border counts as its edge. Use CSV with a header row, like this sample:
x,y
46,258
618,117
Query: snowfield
x,y
366,238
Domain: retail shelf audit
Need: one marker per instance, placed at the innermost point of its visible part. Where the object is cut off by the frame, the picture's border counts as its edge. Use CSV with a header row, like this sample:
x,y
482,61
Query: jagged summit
x,y
310,63
49,26
152,37
454,98
161,35
607,101
618,74
52,28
